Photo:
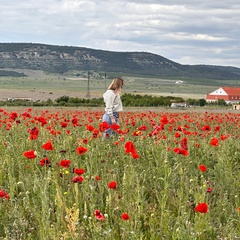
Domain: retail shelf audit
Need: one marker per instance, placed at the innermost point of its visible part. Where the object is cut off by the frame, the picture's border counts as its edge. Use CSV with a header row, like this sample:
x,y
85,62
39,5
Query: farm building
x,y
19,99
179,104
229,94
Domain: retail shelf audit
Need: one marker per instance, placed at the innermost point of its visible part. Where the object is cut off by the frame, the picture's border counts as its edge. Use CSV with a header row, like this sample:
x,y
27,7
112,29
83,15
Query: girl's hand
x,y
113,119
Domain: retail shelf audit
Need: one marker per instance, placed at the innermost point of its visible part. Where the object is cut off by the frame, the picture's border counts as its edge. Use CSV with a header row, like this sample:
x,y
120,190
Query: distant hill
x,y
59,59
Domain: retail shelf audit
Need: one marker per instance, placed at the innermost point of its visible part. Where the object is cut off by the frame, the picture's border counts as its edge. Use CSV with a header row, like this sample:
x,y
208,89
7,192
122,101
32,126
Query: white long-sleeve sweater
x,y
113,102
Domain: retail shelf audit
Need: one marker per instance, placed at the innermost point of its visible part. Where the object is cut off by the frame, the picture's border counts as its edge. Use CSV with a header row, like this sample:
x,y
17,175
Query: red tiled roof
x,y
232,90
216,97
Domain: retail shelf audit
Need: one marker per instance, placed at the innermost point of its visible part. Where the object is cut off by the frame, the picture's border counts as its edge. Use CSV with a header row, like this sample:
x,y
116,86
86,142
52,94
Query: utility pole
x,y
88,86
105,81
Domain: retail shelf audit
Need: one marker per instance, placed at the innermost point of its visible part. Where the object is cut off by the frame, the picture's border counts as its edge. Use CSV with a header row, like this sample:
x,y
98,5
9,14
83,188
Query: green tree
x,y
49,102
221,102
202,102
62,99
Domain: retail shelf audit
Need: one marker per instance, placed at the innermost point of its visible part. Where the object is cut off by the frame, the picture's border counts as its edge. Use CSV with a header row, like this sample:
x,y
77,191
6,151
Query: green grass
x,y
159,190
40,81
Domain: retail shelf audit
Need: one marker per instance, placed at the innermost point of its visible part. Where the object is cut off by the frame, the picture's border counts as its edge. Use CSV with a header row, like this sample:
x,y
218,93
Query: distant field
x,y
41,86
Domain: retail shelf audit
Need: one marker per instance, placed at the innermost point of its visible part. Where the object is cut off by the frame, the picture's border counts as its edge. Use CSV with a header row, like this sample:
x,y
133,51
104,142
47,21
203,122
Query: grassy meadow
x,y
42,86
165,175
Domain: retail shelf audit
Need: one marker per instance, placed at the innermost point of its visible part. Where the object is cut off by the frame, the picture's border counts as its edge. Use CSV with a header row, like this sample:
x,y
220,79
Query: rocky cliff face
x,y
41,57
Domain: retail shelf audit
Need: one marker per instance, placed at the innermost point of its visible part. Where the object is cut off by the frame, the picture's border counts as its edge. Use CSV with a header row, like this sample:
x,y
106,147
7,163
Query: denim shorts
x,y
106,118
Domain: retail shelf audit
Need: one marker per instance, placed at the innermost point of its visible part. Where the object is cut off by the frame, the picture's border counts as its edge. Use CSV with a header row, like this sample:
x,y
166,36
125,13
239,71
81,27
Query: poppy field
x,y
164,175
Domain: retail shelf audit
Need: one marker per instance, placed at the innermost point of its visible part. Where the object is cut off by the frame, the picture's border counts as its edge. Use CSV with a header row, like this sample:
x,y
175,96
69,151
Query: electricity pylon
x,y
88,86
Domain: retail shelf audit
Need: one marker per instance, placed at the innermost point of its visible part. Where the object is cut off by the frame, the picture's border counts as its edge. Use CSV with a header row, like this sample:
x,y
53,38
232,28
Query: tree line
x,y
129,100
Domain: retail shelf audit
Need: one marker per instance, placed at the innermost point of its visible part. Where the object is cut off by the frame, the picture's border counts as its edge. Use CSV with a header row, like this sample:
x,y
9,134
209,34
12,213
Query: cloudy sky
x,y
184,31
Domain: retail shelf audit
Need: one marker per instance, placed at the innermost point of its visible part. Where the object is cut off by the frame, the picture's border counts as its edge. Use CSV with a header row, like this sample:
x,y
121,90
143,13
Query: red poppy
x,y
79,171
9,126
95,133
136,133
206,128
129,147
202,208
3,194
30,154
75,122
223,137
98,215
214,142
81,150
142,128
85,141
89,127
112,185
33,137
33,133
97,178
42,120
135,155
13,115
181,151
64,124
202,168
33,130
114,126
164,120
209,190
65,163
68,132
26,114
177,135
77,179
184,143
103,126
125,216
48,146
45,161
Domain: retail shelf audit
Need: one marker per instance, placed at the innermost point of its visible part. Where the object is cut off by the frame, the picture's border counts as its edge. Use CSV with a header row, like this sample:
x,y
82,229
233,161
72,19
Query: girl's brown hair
x,y
116,85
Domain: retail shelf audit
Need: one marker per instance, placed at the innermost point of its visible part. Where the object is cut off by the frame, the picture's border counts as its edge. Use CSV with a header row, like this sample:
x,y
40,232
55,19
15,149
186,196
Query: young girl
x,y
113,104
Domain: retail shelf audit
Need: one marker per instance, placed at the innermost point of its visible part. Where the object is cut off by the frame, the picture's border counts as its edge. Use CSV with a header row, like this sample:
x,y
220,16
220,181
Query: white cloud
x,y
185,31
